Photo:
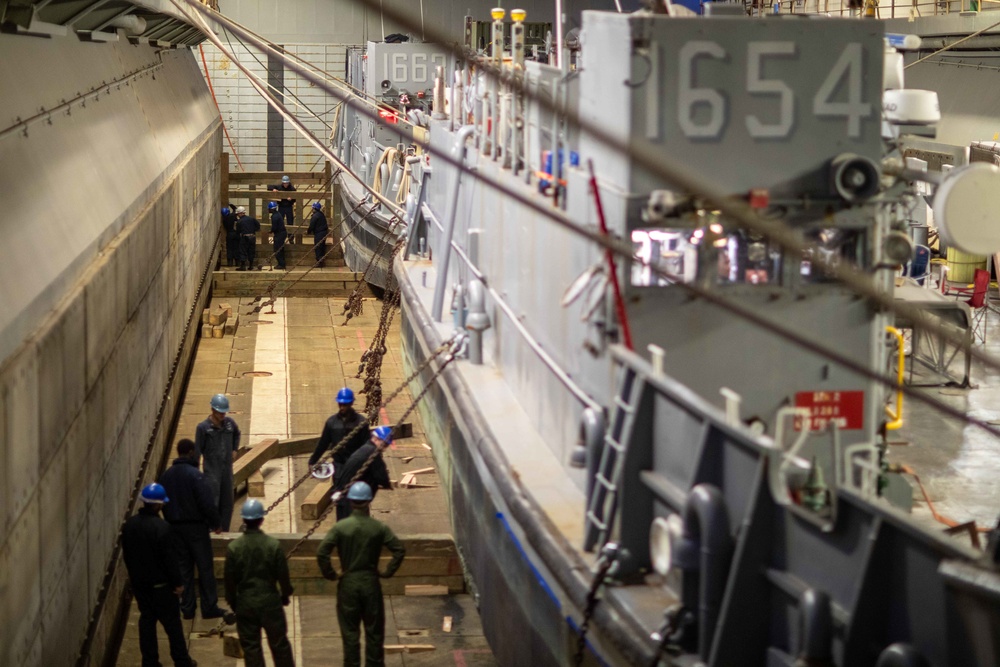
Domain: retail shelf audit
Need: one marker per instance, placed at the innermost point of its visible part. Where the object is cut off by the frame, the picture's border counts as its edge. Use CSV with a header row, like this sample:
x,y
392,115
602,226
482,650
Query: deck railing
x,y
883,9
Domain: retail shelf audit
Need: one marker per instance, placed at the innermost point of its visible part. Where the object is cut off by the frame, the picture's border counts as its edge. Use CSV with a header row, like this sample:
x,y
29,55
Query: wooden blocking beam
x,y
430,545
252,461
297,446
404,430
274,177
231,646
423,590
255,484
317,501
408,648
266,450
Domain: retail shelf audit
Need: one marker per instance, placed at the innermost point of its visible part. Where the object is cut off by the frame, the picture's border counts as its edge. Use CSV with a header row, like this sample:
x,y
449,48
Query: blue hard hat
x,y
220,403
360,492
345,396
154,493
383,433
285,179
225,210
317,205
252,509
271,205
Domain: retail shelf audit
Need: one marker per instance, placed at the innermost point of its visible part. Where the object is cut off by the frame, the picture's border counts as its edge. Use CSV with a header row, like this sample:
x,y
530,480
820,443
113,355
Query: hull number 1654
x,y
702,111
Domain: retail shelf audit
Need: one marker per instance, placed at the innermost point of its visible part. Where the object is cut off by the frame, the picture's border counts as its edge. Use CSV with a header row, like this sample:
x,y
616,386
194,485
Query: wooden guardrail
x,y
431,559
252,187
883,9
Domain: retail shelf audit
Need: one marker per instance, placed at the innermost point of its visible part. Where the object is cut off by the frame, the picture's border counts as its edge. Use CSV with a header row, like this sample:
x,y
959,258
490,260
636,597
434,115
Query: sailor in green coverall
x,y
255,569
359,540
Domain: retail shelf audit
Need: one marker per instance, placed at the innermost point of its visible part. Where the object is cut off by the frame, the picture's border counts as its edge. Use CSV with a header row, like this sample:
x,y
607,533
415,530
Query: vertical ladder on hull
x,y
603,500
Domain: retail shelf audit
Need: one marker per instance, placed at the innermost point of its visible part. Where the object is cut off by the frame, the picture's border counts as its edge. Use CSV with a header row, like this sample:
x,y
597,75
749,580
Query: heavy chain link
x,y
328,455
378,450
371,360
607,560
272,297
355,301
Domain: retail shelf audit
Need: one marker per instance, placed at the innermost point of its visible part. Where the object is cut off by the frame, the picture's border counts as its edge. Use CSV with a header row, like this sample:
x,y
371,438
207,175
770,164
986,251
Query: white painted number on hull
x,y
689,97
702,111
849,64
407,69
758,85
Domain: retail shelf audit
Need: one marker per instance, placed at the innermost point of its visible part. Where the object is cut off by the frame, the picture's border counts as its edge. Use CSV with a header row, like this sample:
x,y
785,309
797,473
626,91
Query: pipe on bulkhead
x,y
383,172
815,629
444,248
397,180
559,35
707,540
495,83
411,227
901,655
366,166
130,23
477,320
458,305
457,115
517,66
587,452
438,113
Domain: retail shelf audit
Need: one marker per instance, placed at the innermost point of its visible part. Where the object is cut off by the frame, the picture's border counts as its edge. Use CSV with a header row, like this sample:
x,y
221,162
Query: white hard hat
x,y
240,209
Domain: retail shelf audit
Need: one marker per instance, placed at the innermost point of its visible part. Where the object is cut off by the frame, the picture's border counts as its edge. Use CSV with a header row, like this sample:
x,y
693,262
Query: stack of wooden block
x,y
218,322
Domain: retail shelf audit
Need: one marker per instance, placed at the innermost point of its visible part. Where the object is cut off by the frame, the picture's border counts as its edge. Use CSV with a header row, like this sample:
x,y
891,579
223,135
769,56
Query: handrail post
x,y
444,248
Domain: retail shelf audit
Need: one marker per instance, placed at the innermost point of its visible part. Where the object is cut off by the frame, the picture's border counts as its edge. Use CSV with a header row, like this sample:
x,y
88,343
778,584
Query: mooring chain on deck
x,y
371,360
607,561
354,305
328,455
378,450
322,239
271,297
274,297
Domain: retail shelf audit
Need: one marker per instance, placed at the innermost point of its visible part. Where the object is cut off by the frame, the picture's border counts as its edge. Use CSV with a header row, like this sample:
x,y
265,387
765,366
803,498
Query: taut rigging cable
x,y
919,318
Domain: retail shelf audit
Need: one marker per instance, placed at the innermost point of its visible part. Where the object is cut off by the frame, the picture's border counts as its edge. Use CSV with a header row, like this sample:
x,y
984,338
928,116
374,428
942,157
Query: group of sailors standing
x,y
196,496
241,230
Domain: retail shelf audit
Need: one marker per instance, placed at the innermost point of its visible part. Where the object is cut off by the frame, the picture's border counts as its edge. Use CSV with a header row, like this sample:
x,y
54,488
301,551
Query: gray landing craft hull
x,y
529,581
369,241
886,580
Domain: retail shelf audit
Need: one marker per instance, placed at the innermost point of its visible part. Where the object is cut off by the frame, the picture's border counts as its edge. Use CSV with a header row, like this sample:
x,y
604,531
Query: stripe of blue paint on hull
x,y
534,570
593,651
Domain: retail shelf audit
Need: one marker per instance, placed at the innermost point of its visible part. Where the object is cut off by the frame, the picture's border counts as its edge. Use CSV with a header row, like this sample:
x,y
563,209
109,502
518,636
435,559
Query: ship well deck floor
x,y
958,464
310,356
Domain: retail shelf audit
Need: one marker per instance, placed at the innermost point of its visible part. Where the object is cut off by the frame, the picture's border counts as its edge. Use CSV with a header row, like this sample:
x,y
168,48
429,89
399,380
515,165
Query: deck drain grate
x,y
260,322
257,374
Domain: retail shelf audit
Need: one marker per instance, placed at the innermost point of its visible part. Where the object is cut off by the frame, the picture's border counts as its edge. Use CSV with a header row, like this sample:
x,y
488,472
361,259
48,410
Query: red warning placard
x,y
846,407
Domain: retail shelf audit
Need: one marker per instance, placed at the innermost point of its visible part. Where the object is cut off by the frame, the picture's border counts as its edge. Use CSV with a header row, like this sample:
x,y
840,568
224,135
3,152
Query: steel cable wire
x,y
919,318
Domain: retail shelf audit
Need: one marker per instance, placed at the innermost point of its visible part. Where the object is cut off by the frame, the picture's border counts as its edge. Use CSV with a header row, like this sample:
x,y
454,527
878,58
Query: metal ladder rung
x,y
601,503
605,482
627,408
597,523
614,444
